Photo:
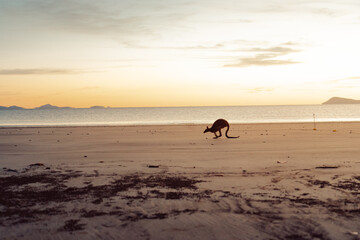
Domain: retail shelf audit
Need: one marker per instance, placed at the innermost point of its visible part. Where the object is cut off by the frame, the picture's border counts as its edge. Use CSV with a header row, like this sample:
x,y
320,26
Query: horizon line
x,y
180,106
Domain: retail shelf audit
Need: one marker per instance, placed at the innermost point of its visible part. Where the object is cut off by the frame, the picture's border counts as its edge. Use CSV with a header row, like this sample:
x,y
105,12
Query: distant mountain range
x,y
339,100
46,107
11,108
333,100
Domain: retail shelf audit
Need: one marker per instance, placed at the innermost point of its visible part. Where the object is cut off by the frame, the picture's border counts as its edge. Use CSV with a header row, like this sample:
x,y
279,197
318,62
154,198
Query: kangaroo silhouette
x,y
217,126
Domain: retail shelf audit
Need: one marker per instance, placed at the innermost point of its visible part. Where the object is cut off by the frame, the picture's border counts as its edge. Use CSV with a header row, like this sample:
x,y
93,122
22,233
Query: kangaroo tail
x,y
226,133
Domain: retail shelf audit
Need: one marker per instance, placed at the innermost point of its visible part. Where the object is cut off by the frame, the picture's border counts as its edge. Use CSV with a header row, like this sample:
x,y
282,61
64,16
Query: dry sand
x,y
277,181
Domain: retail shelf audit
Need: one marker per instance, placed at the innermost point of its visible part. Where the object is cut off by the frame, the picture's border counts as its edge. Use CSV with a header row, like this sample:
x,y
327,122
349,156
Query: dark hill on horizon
x,y
339,100
49,106
11,108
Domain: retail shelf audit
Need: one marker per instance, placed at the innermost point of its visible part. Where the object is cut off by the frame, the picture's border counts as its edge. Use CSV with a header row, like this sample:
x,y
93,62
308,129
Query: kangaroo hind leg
x,y
216,136
220,133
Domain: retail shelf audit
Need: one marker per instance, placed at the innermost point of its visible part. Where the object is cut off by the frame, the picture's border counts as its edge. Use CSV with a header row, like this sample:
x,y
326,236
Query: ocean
x,y
179,115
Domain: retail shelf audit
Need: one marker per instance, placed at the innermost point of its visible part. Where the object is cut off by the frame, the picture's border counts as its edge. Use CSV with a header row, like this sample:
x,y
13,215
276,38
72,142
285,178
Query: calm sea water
x,y
179,115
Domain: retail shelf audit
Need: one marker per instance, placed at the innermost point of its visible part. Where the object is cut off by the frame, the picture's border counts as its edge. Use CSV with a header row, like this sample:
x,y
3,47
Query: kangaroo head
x,y
207,129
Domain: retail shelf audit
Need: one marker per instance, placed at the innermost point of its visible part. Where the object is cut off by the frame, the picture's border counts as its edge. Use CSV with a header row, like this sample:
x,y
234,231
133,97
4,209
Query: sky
x,y
147,53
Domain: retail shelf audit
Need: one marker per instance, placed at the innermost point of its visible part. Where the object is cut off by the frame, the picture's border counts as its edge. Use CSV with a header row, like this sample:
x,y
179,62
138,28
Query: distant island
x,y
47,107
339,100
97,107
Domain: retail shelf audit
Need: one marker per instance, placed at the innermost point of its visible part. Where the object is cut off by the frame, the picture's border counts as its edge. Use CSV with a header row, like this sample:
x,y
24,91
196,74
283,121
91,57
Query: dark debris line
x,y
18,199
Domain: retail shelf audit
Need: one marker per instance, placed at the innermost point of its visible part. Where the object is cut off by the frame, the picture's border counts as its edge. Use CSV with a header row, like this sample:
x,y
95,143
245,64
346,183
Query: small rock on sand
x,y
36,165
153,166
327,167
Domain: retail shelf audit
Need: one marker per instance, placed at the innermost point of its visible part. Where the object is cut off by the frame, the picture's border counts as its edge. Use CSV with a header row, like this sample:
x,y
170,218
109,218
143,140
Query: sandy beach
x,y
276,181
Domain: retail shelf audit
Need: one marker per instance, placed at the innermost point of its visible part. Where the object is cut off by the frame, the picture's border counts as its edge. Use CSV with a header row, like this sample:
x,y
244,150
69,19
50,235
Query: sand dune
x,y
277,181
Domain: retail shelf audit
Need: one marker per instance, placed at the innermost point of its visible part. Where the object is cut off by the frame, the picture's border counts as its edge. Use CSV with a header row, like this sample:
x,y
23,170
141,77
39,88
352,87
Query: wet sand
x,y
277,181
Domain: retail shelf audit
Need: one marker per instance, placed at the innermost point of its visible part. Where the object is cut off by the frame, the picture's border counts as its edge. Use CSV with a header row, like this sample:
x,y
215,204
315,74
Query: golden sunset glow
x,y
178,53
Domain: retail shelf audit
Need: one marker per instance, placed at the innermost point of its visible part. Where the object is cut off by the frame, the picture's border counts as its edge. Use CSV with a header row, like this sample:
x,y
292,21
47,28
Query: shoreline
x,y
175,124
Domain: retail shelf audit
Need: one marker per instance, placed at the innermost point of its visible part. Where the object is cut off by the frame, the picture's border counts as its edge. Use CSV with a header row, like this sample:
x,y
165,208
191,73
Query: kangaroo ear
x,y
207,127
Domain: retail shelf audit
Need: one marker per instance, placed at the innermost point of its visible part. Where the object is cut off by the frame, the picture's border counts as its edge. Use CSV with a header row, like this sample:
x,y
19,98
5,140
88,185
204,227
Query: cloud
x,y
326,12
38,71
8,93
225,46
120,20
276,50
134,44
200,47
264,57
319,7
259,89
260,60
238,21
347,87
289,43
344,83
233,20
344,79
88,88
80,89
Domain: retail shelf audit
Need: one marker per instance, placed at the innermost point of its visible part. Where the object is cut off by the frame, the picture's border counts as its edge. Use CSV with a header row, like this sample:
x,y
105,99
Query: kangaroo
x,y
217,126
